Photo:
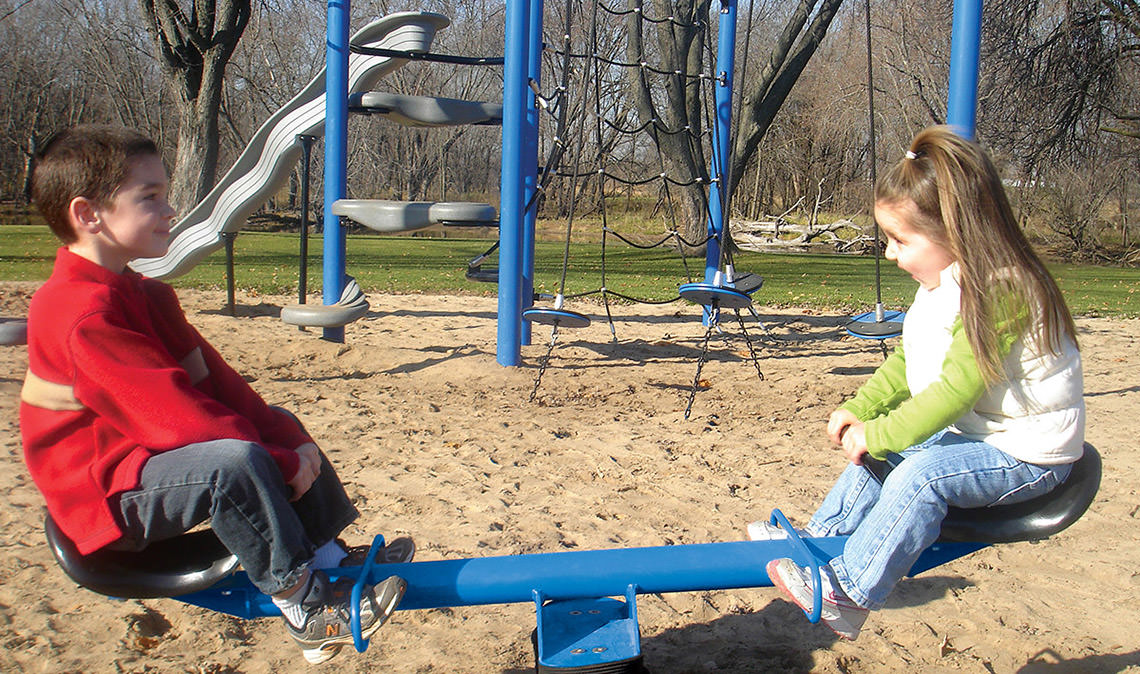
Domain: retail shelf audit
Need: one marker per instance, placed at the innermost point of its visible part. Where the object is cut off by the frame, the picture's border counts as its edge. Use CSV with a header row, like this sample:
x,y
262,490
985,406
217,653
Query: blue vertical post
x,y
530,162
722,137
336,153
965,47
516,59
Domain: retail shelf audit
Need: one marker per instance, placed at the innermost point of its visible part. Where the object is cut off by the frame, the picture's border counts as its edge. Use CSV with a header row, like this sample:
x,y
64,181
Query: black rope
x,y
634,181
637,10
427,56
638,300
643,66
594,64
544,363
671,236
748,341
657,125
873,150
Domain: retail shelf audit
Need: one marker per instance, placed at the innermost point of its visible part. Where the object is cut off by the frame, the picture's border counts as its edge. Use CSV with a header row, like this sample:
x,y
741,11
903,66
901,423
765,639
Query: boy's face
x,y
137,222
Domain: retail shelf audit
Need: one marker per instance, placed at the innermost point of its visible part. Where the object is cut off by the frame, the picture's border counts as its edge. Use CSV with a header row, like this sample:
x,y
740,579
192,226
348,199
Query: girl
x,y
983,398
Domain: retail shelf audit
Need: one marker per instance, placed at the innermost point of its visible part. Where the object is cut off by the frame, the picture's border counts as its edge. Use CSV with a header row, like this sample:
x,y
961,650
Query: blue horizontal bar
x,y
592,573
571,575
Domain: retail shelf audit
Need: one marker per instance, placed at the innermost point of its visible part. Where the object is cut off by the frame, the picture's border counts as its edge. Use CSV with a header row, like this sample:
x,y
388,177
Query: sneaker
x,y
328,618
838,612
396,551
764,530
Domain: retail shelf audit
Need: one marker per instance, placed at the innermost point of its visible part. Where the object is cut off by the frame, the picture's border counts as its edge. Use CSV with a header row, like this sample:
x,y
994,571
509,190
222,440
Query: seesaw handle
x,y
358,640
803,556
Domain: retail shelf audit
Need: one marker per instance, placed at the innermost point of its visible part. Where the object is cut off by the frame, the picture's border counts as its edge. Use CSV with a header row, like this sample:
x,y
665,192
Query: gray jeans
x,y
237,486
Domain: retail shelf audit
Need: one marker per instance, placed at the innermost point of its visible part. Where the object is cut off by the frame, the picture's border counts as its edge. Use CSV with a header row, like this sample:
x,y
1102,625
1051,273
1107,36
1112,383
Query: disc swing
x,y
878,324
556,316
723,291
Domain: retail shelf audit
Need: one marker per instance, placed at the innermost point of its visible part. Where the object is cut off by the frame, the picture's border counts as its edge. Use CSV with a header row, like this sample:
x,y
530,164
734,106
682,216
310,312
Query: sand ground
x,y
436,440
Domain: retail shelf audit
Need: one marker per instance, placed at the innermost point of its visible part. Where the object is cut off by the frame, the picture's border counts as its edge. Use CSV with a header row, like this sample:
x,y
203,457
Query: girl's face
x,y
914,252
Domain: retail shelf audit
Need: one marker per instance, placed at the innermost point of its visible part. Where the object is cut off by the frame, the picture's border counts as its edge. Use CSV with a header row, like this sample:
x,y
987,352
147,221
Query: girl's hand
x,y
307,471
838,424
855,443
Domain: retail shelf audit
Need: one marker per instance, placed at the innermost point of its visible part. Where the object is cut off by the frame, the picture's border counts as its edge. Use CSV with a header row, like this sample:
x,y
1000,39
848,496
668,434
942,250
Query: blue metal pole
x,y
530,159
336,153
509,335
595,573
722,138
965,48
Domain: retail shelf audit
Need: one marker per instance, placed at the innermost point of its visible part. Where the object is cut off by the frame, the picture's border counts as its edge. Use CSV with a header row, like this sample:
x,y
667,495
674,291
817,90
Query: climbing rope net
x,y
601,61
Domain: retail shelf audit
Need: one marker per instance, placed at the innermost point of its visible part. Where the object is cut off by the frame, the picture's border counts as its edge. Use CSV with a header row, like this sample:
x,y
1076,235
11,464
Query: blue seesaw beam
x,y
572,575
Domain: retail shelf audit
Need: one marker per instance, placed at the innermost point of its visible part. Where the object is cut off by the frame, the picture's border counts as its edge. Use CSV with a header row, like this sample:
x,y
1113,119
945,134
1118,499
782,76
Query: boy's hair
x,y
89,160
961,205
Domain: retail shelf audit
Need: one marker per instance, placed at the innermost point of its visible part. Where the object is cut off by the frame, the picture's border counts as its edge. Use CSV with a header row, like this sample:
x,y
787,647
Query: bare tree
x,y
790,53
1123,18
682,45
194,47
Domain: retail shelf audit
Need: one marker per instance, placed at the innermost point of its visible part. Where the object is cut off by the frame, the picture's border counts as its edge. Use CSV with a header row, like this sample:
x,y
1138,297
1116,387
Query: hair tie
x,y
911,155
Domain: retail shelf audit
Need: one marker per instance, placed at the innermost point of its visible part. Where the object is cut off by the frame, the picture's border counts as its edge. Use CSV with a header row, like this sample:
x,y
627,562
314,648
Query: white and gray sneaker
x,y
838,611
763,530
328,614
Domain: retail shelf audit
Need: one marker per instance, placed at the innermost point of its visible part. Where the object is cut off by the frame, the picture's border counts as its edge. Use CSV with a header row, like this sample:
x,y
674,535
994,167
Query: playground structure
x,y
520,166
265,164
354,65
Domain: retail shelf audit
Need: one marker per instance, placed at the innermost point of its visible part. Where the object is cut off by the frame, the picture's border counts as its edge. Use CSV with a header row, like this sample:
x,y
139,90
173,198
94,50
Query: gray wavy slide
x,y
263,167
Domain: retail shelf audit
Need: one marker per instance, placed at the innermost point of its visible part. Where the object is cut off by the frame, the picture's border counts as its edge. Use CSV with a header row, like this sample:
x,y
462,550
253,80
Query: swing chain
x,y
700,366
748,341
544,363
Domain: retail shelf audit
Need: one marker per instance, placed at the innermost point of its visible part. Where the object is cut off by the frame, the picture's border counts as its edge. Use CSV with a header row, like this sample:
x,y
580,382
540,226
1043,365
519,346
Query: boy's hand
x,y
855,442
838,424
307,471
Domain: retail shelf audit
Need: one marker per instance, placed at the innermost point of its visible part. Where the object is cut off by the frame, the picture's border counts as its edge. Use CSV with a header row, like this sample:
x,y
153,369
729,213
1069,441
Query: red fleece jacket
x,y
115,375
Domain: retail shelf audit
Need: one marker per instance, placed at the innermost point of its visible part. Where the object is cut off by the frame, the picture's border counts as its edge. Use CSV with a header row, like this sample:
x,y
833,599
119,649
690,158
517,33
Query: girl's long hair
x,y
962,205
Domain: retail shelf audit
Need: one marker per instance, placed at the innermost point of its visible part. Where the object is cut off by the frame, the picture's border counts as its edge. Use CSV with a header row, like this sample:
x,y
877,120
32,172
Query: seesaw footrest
x,y
588,635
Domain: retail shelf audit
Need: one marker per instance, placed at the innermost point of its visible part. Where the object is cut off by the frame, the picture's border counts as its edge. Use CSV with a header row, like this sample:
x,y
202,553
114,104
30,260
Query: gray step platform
x,y
405,216
426,110
13,331
351,306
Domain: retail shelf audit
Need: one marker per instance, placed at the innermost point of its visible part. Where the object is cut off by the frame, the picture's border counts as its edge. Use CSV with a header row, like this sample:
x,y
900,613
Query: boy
x,y
136,430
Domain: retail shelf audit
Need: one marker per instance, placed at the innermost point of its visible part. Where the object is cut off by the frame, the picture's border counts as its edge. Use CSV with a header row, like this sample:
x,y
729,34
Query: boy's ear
x,y
84,215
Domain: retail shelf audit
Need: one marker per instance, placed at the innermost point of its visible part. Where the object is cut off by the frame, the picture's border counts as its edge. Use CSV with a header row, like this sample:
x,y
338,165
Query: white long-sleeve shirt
x,y
1037,414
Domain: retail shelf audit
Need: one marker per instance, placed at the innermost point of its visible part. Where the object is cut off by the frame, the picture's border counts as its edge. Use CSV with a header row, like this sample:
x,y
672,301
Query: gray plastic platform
x,y
351,306
13,331
404,216
426,110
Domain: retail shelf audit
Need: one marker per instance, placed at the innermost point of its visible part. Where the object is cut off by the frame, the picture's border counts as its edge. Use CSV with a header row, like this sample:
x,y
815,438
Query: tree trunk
x,y
775,81
677,126
679,44
194,51
29,165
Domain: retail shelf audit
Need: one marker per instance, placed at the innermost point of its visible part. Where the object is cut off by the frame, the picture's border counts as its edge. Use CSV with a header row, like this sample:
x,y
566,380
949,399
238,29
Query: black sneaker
x,y
328,619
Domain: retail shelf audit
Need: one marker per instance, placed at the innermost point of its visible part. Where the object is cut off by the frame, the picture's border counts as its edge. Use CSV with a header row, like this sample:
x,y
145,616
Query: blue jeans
x,y
238,487
890,525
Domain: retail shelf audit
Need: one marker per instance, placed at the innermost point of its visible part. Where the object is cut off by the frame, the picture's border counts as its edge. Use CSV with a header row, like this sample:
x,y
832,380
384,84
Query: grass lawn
x,y
268,263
